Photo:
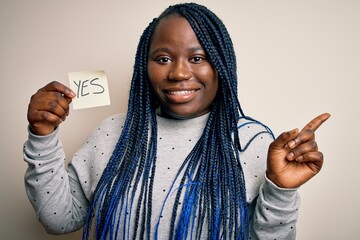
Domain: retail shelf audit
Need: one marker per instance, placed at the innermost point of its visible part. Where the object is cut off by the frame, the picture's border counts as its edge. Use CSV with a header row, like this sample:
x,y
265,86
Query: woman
x,y
185,162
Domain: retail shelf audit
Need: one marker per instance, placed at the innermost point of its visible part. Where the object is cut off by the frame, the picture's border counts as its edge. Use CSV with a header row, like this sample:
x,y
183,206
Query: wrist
x,y
272,178
41,131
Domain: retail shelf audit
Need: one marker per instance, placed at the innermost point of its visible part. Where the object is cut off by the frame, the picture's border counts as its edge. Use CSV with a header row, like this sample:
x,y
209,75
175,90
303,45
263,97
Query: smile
x,y
181,92
181,96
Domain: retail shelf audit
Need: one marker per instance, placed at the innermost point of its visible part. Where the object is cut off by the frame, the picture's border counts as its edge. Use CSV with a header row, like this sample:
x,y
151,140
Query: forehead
x,y
173,28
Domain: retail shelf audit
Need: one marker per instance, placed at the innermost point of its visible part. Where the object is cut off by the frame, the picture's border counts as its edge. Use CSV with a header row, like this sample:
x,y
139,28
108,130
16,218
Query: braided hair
x,y
215,191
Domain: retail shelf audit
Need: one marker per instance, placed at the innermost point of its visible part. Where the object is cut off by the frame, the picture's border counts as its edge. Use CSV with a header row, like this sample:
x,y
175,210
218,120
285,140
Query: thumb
x,y
282,140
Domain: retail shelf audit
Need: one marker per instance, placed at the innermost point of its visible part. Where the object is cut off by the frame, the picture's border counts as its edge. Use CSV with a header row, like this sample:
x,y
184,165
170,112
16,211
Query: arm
x,y
293,159
275,214
272,210
54,188
55,193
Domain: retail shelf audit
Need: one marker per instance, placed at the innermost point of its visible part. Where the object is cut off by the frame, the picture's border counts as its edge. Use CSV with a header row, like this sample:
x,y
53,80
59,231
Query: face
x,y
182,78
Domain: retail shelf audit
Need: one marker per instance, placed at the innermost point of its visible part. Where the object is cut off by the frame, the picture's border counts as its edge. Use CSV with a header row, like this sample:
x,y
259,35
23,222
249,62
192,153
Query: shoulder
x,y
109,127
251,131
114,120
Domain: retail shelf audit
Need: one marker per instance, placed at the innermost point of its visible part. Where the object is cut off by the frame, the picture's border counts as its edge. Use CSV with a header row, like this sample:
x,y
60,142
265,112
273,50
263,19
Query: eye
x,y
197,59
163,59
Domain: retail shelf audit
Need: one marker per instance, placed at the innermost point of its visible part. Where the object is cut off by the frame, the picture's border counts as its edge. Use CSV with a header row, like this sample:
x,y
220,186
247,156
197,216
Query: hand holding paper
x,y
49,106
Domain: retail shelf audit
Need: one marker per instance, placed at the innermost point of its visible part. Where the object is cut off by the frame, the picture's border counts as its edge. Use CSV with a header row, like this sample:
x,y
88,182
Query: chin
x,y
181,115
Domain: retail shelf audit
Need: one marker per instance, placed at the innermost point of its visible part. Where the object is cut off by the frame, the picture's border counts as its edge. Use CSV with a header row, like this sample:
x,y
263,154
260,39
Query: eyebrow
x,y
194,49
165,49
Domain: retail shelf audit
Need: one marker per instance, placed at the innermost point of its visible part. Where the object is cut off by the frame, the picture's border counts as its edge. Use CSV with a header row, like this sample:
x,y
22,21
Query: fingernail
x,y
293,131
291,144
70,93
290,156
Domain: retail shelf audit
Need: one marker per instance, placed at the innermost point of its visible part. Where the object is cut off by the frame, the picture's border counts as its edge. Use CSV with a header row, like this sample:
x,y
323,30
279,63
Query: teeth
x,y
179,93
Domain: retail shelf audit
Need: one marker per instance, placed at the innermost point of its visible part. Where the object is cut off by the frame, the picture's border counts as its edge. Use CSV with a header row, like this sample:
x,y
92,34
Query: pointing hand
x,y
293,157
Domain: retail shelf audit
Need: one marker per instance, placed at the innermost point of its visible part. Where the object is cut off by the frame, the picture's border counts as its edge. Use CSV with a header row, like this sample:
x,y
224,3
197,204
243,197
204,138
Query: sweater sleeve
x,y
276,213
273,211
53,190
60,192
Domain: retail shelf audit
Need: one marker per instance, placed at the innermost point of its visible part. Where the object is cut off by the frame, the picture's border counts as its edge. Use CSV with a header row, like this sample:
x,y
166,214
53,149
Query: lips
x,y
181,95
181,92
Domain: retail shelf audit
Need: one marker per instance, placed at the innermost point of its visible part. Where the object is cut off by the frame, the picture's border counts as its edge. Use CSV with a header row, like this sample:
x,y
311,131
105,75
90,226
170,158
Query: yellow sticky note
x,y
91,89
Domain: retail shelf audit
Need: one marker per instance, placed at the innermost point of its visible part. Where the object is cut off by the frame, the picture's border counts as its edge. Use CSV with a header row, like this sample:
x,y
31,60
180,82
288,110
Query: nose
x,y
180,71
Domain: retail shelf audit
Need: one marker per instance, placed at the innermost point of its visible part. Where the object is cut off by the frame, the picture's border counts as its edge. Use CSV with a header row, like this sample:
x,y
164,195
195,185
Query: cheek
x,y
207,72
213,89
212,81
155,75
152,76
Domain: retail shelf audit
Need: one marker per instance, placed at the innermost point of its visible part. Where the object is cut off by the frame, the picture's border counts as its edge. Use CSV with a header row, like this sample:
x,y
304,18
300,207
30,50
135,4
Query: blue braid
x,y
225,135
212,182
130,159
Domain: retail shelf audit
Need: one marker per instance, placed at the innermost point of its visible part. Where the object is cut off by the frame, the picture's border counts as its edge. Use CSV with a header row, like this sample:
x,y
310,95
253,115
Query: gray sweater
x,y
60,192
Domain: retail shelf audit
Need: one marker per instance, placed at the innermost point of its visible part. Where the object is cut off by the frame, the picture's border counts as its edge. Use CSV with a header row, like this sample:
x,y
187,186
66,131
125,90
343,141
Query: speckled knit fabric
x,y
60,194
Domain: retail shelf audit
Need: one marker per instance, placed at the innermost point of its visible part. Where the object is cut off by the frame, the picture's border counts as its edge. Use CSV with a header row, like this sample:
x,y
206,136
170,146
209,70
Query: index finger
x,y
316,122
59,87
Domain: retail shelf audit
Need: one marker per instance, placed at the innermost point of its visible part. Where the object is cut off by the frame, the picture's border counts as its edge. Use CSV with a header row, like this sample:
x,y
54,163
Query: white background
x,y
296,59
